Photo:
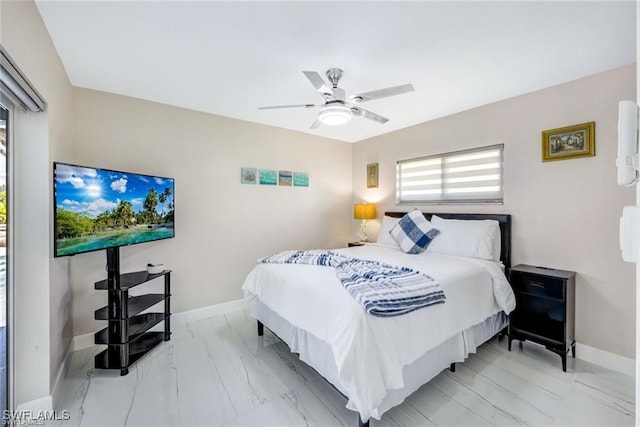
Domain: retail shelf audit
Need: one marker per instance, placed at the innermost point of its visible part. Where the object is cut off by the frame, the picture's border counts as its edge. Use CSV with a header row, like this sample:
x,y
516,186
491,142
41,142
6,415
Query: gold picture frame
x,y
372,175
569,142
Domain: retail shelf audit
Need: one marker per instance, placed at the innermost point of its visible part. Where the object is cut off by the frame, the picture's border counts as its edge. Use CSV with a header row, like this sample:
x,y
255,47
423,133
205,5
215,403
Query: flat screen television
x,y
100,209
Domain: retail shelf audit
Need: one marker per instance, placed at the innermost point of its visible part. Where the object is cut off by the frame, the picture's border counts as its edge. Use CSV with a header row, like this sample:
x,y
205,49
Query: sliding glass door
x,y
4,347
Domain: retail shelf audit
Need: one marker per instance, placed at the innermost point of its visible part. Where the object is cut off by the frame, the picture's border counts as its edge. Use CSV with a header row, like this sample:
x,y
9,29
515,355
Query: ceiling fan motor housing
x,y
339,94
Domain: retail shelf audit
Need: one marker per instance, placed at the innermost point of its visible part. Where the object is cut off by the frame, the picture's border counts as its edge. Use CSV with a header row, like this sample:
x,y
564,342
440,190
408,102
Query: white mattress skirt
x,y
318,354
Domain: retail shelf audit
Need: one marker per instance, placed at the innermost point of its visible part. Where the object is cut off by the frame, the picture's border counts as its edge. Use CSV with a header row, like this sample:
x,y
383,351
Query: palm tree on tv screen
x,y
163,198
150,204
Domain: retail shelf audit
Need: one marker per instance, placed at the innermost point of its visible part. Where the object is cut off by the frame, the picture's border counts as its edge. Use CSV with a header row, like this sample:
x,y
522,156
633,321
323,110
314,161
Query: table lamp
x,y
364,211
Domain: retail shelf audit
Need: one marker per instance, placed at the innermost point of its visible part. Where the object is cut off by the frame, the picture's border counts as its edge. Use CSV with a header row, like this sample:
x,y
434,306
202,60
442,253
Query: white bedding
x,y
369,351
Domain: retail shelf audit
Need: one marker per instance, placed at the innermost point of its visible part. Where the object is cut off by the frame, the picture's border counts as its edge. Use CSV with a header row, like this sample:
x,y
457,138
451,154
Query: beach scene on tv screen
x,y
97,209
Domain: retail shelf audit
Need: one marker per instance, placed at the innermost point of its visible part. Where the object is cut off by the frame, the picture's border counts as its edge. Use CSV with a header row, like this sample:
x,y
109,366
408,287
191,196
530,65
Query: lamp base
x,y
364,236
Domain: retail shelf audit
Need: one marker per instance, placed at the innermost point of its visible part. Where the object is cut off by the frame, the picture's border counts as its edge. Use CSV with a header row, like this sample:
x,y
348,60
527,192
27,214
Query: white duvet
x,y
369,351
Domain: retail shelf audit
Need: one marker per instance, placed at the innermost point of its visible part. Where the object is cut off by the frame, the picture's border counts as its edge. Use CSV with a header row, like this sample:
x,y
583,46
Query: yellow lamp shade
x,y
364,211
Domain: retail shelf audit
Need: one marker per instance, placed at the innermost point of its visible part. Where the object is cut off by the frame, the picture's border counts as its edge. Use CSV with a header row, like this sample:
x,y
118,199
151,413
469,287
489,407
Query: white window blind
x,y
469,176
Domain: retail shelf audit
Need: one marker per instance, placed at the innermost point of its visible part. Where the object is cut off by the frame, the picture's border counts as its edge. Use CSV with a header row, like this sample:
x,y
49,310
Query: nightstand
x,y
352,244
545,308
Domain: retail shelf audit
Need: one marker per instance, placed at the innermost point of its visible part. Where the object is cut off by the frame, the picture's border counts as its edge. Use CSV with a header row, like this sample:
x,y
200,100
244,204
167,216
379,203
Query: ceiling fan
x,y
337,110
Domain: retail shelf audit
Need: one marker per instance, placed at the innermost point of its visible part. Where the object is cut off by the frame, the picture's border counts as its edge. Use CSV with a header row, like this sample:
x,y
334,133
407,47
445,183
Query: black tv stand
x,y
127,335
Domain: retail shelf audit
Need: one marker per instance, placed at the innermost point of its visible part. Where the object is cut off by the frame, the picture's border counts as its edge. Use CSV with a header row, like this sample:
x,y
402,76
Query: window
x,y
15,93
469,176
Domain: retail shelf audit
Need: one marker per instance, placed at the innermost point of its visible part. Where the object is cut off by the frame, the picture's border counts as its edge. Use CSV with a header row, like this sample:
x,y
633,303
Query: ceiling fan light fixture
x,y
335,115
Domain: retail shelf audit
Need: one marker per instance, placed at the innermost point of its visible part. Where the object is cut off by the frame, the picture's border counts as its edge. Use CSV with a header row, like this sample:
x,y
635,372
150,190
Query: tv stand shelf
x,y
136,325
127,334
137,349
135,305
130,280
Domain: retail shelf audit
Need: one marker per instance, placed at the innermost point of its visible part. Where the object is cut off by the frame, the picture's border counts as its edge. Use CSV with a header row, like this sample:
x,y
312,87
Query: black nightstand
x,y
545,308
352,244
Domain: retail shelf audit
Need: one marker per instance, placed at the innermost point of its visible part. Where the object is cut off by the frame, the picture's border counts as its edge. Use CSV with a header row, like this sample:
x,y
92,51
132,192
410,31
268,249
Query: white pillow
x,y
469,238
384,238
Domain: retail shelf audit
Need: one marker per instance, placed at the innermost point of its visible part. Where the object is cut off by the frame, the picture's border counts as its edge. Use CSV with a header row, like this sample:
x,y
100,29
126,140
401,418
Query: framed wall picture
x,y
248,175
268,177
300,179
285,178
569,142
372,175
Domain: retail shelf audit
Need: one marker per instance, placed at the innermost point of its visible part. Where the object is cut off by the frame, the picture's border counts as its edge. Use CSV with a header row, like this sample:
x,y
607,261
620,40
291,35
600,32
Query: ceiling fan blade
x,y
321,86
289,106
357,111
315,124
382,93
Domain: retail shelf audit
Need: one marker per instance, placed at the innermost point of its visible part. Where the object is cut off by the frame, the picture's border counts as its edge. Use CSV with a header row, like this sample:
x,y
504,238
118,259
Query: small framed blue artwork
x,y
268,177
300,179
285,178
248,175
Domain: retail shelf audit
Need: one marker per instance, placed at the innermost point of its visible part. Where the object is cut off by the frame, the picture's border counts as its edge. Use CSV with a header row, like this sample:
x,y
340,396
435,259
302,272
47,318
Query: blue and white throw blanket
x,y
382,289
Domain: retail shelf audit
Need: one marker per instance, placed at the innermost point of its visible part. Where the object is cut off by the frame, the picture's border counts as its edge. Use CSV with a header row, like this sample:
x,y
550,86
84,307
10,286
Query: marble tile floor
x,y
218,372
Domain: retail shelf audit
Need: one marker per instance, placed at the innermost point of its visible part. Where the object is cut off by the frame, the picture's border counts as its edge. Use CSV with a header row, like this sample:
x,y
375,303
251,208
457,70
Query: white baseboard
x,y
80,342
55,392
83,341
42,404
606,359
210,311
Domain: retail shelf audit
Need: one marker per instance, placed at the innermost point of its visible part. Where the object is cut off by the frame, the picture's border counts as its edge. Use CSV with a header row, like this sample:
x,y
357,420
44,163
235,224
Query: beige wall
x,y
565,213
42,292
222,227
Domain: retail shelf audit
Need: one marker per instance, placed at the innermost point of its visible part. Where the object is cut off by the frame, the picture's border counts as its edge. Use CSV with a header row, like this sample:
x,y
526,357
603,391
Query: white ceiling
x,y
228,58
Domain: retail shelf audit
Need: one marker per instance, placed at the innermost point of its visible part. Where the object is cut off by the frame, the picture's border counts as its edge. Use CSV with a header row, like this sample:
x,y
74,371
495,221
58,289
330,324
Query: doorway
x,y
4,344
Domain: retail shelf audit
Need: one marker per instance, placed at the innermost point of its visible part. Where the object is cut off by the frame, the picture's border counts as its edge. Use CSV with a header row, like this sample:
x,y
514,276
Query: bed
x,y
376,362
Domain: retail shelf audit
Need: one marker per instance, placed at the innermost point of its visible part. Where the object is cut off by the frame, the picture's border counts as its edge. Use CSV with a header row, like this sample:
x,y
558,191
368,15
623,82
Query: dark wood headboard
x,y
503,219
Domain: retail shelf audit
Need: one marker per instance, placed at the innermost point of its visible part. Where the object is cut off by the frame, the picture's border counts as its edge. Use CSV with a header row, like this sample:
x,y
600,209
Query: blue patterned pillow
x,y
413,232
